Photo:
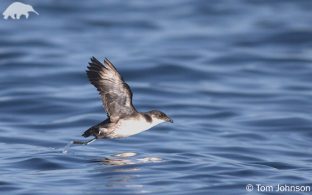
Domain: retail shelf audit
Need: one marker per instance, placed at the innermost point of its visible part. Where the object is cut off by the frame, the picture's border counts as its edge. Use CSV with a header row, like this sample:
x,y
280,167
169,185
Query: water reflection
x,y
128,158
123,171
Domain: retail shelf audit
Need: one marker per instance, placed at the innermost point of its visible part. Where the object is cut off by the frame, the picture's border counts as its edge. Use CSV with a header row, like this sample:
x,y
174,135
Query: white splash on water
x,y
66,148
126,154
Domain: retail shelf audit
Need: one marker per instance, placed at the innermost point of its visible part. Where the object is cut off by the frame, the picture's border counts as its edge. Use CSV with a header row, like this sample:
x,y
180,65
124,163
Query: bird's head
x,y
160,116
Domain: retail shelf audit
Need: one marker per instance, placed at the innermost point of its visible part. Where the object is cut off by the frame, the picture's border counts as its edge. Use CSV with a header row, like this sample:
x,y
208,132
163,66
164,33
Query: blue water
x,y
236,77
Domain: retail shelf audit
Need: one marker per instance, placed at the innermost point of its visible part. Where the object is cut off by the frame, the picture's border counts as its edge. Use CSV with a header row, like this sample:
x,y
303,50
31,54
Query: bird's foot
x,y
84,142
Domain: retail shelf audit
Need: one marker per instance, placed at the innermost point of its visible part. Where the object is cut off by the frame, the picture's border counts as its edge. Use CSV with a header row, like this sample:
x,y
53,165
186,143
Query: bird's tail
x,y
89,132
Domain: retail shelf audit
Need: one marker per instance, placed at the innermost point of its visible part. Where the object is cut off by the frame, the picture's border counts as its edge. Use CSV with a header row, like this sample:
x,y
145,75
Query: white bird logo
x,y
18,9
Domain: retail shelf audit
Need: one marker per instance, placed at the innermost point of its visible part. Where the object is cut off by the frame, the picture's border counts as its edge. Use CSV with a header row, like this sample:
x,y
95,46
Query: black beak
x,y
169,120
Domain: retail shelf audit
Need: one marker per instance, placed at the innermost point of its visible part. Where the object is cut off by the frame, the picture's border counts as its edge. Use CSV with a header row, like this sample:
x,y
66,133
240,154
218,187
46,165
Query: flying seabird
x,y
123,120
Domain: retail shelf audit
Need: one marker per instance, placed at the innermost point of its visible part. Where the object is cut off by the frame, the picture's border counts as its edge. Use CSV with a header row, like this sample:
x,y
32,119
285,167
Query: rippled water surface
x,y
236,77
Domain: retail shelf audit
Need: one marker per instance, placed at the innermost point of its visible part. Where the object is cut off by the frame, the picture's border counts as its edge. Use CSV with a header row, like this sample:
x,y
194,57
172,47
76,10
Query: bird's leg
x,y
84,142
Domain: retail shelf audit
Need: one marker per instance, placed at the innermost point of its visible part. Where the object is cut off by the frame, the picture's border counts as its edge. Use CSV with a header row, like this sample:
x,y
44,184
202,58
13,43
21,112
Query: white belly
x,y
131,127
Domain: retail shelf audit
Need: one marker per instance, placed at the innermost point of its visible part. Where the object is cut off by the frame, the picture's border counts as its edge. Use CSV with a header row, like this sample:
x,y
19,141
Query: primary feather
x,y
115,92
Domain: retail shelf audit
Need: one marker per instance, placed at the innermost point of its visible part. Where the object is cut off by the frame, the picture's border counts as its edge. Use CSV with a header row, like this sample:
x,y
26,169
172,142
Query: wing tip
x,y
94,60
109,64
94,65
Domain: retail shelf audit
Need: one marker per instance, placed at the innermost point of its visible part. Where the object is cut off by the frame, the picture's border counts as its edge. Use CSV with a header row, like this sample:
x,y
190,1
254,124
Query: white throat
x,y
156,121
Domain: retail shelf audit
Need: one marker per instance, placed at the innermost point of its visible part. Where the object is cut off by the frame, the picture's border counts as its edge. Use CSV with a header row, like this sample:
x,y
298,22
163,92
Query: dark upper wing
x,y
116,94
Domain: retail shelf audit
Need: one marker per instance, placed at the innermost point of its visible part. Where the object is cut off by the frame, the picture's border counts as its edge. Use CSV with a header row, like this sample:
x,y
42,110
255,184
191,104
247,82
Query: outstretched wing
x,y
115,92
